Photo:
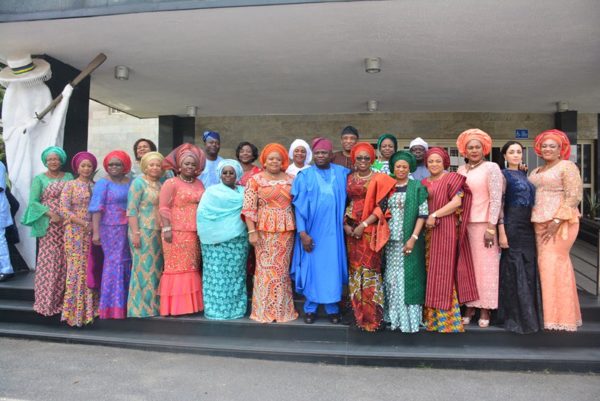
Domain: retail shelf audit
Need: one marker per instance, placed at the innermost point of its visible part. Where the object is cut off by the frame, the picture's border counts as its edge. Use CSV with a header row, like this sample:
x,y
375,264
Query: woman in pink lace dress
x,y
485,181
555,219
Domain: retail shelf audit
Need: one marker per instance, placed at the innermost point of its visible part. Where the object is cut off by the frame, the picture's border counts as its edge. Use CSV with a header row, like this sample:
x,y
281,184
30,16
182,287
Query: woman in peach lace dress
x,y
271,227
555,219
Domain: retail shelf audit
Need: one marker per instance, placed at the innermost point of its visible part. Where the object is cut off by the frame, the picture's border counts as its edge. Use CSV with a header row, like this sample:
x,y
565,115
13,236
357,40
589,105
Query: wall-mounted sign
x,y
521,133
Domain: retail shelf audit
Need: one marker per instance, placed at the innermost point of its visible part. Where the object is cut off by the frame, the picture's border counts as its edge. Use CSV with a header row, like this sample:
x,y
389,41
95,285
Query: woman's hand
x,y
488,240
307,242
95,238
358,231
253,238
54,217
503,240
348,230
550,232
408,246
87,228
135,240
168,236
430,222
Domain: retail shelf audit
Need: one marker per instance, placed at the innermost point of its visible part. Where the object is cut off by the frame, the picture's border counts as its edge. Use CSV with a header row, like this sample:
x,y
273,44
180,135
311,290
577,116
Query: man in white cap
x,y
418,147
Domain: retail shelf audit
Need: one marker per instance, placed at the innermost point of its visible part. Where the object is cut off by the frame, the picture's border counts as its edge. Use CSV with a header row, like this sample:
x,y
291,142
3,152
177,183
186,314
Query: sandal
x,y
484,323
467,317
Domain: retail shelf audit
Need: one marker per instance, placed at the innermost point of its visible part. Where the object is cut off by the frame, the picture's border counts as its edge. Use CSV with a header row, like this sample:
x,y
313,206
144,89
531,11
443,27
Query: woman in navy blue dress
x,y
519,295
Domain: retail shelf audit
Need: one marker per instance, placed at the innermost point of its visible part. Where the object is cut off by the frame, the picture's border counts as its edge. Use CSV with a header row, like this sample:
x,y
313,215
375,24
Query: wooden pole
x,y
95,63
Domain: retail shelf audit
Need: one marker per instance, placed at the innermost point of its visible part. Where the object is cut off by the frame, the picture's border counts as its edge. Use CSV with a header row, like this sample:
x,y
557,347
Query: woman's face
x,y
154,169
188,167
85,169
141,149
550,150
386,148
474,151
435,164
299,156
401,170
514,155
115,168
228,176
53,162
245,155
273,163
363,161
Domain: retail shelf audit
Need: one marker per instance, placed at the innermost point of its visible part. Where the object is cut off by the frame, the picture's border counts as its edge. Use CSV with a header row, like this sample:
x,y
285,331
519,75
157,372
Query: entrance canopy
x,y
436,55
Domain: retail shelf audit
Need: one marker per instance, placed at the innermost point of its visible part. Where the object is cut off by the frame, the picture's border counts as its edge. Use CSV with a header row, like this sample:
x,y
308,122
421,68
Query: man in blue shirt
x,y
319,266
212,145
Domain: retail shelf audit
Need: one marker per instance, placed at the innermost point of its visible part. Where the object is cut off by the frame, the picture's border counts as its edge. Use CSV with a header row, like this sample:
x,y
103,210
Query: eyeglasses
x,y
228,172
115,164
363,158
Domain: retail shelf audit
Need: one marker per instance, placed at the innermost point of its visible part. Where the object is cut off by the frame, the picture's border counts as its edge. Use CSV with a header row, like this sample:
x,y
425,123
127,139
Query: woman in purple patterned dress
x,y
80,304
109,218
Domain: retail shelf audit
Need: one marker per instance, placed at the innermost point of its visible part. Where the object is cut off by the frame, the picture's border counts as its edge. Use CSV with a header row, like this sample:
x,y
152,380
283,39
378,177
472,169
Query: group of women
x,y
417,251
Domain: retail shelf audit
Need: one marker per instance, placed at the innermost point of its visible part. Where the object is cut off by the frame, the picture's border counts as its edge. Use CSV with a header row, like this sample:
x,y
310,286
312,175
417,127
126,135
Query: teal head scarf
x,y
406,156
387,136
62,155
232,163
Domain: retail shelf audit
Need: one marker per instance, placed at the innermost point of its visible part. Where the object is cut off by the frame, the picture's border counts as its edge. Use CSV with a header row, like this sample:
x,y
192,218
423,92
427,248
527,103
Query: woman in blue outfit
x,y
6,269
519,294
224,241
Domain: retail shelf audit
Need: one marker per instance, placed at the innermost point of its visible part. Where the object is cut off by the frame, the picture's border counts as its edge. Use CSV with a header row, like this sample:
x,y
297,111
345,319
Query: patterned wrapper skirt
x,y
560,301
403,317
147,266
224,278
272,297
116,272
50,272
441,320
180,287
365,283
80,303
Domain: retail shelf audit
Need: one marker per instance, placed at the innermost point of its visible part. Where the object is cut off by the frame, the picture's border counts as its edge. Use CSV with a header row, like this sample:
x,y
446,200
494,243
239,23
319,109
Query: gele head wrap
x,y
559,137
474,133
122,156
403,155
275,147
441,152
62,155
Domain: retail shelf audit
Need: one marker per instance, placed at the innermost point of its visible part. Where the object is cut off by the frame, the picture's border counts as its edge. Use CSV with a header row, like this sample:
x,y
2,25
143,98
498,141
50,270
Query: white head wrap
x,y
304,144
418,141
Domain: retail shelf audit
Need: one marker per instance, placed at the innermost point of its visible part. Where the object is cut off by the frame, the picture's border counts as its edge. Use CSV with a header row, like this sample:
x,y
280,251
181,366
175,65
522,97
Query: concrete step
x,y
488,357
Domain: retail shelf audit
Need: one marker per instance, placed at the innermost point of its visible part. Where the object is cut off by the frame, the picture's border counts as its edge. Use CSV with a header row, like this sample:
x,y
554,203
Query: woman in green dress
x,y
404,274
144,238
43,216
224,240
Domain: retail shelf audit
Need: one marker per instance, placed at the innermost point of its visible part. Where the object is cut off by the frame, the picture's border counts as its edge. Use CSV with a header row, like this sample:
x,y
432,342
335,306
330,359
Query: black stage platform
x,y
486,349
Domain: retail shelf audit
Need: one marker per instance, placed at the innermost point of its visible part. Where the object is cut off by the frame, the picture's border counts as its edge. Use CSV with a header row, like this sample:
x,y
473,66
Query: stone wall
x,y
115,130
261,130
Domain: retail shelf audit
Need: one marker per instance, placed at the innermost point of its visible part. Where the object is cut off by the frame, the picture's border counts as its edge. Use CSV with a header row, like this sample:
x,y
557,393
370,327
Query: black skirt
x,y
519,307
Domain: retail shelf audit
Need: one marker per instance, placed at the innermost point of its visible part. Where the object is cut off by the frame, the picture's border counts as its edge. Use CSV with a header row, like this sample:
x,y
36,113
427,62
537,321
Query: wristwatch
x,y
557,221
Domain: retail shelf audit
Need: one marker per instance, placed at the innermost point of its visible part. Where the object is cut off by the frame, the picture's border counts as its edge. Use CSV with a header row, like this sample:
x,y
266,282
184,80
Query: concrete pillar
x,y
173,131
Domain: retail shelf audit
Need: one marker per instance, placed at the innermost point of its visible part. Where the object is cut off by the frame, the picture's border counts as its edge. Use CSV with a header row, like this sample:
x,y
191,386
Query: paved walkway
x,y
31,370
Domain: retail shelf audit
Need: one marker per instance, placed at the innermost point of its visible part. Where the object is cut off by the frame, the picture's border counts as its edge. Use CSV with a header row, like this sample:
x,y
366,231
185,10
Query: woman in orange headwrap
x,y
109,220
270,220
485,181
180,287
365,190
559,190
